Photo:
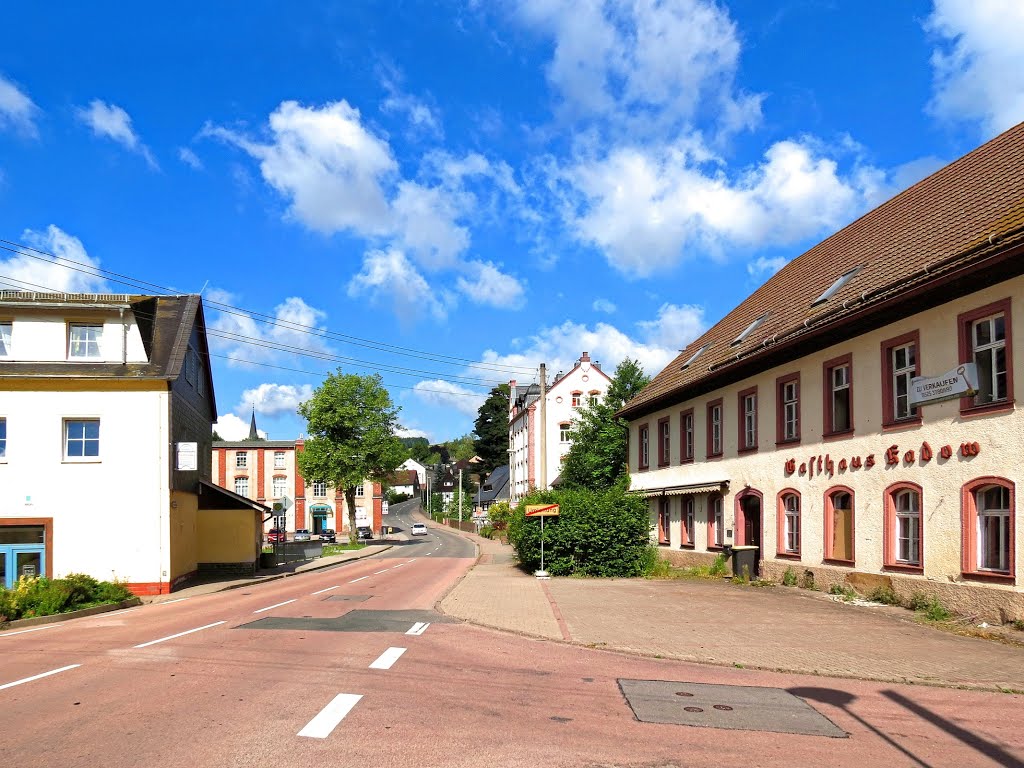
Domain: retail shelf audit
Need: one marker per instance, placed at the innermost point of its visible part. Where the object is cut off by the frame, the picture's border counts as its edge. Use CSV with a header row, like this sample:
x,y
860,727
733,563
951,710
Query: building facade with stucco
x,y
855,418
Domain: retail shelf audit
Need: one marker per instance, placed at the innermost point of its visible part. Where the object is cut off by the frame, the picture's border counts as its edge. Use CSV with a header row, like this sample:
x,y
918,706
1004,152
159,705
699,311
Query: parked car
x,y
302,534
419,529
328,534
364,532
276,534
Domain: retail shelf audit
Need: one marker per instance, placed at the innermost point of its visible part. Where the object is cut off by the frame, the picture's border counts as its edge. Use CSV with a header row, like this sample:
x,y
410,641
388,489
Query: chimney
x,y
585,357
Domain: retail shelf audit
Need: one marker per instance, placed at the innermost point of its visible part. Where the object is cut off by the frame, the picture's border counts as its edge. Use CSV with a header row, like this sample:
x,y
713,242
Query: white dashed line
x,y
359,579
418,628
168,602
179,634
276,605
399,565
34,629
37,677
326,589
381,571
327,720
387,659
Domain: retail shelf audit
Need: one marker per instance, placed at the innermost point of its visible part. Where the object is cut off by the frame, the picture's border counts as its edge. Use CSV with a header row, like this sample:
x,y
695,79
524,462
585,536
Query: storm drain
x,y
733,707
354,621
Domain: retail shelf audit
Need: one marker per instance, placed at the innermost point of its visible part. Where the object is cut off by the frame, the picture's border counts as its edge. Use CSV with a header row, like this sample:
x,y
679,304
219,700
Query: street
x,y
351,665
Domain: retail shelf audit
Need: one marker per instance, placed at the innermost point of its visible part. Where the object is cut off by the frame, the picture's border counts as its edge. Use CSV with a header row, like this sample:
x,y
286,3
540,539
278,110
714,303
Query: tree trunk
x,y
350,502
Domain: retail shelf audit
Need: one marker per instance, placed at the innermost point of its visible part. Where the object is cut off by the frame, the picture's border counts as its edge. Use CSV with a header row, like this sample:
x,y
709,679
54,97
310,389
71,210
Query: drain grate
x,y
734,707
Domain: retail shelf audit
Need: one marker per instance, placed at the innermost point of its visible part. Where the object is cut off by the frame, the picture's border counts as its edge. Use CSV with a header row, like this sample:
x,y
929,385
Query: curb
x,y
131,602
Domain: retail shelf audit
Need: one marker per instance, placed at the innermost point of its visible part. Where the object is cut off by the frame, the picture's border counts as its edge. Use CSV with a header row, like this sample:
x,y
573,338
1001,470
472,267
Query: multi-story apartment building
x,y
106,406
855,417
584,384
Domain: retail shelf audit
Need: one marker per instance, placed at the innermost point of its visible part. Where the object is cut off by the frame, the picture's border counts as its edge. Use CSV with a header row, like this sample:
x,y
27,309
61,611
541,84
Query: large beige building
x,y
821,420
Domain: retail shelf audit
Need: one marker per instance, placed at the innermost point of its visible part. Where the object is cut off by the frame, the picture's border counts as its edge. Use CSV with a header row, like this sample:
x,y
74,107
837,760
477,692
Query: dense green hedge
x,y
45,597
598,533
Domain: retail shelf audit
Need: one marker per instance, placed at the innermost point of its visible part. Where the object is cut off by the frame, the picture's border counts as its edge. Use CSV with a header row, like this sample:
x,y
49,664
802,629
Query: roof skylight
x,y
694,356
750,329
833,289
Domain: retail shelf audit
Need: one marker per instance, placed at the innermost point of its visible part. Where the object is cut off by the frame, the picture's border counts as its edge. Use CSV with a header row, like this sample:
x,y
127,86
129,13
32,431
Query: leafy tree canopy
x,y
491,429
418,449
461,448
597,456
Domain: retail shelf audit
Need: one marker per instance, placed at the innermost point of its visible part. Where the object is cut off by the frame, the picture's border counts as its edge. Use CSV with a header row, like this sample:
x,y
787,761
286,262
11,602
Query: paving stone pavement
x,y
776,628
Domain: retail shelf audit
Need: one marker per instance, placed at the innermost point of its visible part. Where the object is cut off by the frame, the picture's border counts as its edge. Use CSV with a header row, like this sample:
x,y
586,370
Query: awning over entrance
x,y
718,486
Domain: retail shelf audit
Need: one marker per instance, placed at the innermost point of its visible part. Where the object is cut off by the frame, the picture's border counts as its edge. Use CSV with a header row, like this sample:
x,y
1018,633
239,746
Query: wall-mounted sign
x,y
188,457
962,381
893,455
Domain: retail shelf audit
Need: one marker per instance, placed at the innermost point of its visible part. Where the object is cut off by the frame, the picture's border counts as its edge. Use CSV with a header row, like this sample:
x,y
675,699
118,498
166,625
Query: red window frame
x,y
687,448
643,444
829,528
964,323
664,520
687,511
890,545
780,533
711,454
741,432
888,391
712,499
664,442
577,399
969,531
780,410
829,415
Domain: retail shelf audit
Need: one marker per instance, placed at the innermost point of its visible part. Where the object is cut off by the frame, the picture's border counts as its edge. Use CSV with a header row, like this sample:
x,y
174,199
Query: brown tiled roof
x,y
959,215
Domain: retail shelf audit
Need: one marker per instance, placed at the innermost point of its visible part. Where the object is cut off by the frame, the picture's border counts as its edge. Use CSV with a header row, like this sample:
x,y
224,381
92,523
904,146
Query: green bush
x,y
929,606
598,533
45,597
842,591
885,595
789,578
487,532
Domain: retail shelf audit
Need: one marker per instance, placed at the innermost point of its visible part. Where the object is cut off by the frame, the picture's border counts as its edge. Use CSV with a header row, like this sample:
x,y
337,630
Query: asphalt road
x,y
350,666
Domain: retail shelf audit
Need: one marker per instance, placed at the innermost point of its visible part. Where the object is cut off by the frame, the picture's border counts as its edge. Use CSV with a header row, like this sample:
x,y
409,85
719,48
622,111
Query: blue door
x,y
22,553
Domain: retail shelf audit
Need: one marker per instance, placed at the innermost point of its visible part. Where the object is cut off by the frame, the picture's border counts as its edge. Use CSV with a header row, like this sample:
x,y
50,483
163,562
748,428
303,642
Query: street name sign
x,y
542,510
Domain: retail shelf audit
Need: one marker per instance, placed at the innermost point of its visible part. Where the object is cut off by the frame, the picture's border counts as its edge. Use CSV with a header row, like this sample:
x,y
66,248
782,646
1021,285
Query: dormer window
x,y
694,356
750,329
833,289
84,341
5,339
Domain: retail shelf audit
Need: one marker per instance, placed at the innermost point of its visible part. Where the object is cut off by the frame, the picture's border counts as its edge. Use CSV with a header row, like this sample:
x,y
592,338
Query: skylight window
x,y
694,356
834,288
750,329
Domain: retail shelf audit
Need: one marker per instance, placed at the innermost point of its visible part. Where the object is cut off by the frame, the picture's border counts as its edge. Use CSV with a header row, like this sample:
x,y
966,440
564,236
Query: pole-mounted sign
x,y
542,511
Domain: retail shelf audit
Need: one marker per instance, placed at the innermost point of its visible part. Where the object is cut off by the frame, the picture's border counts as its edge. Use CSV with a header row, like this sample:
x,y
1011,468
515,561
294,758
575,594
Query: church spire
x,y
253,434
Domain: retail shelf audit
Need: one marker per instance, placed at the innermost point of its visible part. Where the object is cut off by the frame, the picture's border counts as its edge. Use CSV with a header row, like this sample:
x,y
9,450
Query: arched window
x,y
988,535
593,396
577,399
839,525
904,528
789,523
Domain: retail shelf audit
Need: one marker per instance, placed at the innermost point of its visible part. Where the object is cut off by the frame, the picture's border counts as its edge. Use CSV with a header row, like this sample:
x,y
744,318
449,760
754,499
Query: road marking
x,y
328,589
381,571
359,579
327,720
387,659
180,634
429,554
36,677
168,602
418,628
276,605
399,565
34,629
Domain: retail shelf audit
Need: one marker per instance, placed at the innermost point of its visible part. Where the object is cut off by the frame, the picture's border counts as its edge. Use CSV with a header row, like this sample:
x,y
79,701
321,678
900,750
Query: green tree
x,y
418,449
491,429
597,456
351,424
461,448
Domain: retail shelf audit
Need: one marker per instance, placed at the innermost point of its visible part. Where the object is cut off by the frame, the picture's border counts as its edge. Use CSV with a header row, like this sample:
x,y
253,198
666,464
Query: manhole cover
x,y
359,620
735,707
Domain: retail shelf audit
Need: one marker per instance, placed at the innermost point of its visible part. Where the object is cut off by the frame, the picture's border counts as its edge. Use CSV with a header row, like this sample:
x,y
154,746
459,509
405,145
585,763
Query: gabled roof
x,y
495,486
964,221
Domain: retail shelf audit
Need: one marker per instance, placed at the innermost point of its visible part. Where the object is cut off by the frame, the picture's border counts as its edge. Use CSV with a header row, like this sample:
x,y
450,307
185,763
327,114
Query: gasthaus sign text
x,y
962,381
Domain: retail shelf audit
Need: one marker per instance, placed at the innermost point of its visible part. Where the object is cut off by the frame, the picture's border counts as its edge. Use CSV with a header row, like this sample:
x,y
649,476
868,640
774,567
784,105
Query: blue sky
x,y
452,192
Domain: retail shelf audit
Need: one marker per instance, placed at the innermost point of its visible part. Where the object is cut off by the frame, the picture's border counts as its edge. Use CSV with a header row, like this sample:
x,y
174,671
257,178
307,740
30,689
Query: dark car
x,y
328,534
276,534
364,532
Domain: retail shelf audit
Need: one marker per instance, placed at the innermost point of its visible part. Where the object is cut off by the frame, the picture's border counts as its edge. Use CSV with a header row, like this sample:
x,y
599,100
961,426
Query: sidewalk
x,y
716,622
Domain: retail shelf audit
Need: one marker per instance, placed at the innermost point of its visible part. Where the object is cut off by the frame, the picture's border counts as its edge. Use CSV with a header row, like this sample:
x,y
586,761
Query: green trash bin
x,y
745,556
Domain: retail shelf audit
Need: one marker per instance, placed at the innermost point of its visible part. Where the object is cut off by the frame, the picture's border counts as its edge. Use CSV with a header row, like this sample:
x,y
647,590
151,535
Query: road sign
x,y
542,510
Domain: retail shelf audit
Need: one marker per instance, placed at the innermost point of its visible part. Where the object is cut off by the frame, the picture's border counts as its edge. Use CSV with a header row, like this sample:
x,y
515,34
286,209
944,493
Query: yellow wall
x,y
184,513
229,536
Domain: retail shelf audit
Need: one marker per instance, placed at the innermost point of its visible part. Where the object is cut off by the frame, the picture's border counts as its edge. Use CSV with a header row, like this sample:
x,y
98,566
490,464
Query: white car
x,y
419,529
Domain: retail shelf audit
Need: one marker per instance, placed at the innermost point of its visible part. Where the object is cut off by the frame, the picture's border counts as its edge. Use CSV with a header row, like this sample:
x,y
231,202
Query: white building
x,y
586,383
106,407
421,471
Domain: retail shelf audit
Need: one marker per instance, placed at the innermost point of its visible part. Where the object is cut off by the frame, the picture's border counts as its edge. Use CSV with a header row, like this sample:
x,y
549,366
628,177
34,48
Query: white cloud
x,y
274,399
411,432
647,210
448,395
764,267
487,284
17,110
604,305
38,272
112,122
426,225
422,117
243,338
675,326
979,62
388,277
190,158
232,428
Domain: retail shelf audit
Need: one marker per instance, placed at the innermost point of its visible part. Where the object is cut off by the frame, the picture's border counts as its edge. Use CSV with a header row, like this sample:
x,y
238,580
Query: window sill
x,y
896,426
688,547
662,465
835,561
1002,406
788,555
752,449
664,544
716,548
686,461
713,456
90,460
833,436
900,568
642,469
993,576
790,441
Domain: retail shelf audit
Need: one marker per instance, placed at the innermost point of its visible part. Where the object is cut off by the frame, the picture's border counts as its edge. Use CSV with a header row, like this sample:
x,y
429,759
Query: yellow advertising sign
x,y
542,510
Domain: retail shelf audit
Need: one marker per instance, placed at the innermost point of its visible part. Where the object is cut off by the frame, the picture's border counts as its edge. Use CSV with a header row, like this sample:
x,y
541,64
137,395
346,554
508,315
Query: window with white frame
x,y
81,439
241,460
84,341
716,522
993,534
281,522
715,429
838,417
904,368
594,394
644,439
790,396
242,486
563,431
664,520
988,339
687,428
907,504
278,459
359,490
5,339
279,486
750,420
687,521
3,437
577,399
791,524
320,488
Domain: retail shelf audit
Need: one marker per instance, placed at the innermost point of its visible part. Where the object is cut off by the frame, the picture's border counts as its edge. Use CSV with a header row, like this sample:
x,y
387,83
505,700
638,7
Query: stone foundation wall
x,y
686,558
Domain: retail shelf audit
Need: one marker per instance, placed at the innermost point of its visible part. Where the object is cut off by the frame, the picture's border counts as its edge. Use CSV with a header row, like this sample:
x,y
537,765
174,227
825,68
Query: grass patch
x,y
843,591
929,607
337,549
1018,624
659,568
45,597
789,578
884,595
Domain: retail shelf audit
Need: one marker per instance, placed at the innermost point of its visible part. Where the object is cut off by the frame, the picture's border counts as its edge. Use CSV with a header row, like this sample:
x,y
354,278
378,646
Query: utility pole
x,y
543,427
460,499
428,494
